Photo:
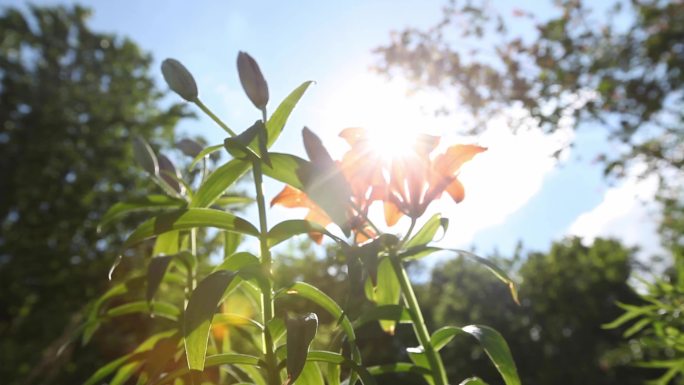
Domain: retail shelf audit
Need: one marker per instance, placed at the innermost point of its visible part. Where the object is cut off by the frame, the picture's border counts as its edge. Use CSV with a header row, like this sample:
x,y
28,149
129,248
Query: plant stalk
x,y
267,307
215,118
419,327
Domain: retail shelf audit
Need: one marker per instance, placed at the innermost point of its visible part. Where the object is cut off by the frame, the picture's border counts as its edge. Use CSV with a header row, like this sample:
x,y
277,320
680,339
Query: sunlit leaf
x,y
218,182
399,367
315,295
387,291
300,332
336,358
473,381
166,243
204,153
276,122
199,313
110,367
144,156
491,341
396,313
287,169
155,273
211,361
158,309
150,202
237,261
188,219
289,228
427,233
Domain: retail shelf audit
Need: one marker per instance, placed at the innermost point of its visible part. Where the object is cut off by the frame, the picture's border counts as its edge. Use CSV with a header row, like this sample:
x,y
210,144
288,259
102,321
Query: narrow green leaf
x,y
155,273
204,153
473,381
311,375
387,291
166,244
199,313
188,219
427,233
315,295
495,270
233,200
125,372
627,316
287,168
235,319
211,361
276,327
636,328
150,202
396,313
399,367
336,358
158,309
218,182
117,290
238,261
275,124
300,332
289,228
110,367
497,349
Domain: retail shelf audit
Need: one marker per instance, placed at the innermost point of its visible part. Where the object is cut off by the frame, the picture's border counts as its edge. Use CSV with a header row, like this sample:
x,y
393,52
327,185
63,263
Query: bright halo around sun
x,y
392,119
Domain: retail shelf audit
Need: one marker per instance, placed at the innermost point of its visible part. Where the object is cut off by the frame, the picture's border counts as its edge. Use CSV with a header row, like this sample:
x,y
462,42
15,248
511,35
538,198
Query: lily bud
x,y
189,147
179,79
252,80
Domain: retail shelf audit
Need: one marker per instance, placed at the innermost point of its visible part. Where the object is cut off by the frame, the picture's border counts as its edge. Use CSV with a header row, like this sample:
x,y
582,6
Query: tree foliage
x,y
617,66
71,100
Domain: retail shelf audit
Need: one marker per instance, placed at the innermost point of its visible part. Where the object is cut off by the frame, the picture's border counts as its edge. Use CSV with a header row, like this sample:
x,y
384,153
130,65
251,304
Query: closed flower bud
x,y
252,80
189,147
179,79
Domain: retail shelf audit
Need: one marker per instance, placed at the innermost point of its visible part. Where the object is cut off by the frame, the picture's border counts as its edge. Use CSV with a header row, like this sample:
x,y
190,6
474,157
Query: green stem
x,y
267,308
419,327
215,118
410,230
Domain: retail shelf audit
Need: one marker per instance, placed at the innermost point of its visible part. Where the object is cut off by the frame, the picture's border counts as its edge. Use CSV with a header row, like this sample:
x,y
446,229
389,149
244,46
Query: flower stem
x,y
419,327
215,118
267,307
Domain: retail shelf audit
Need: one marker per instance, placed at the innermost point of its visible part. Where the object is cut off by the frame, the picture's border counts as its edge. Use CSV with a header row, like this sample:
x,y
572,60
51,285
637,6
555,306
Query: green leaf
x,y
315,295
166,244
218,182
158,309
300,332
110,367
311,375
416,253
628,315
276,327
491,341
289,228
117,290
387,291
238,261
495,270
399,367
636,328
473,381
287,168
336,358
199,313
396,313
188,219
150,202
204,153
235,319
427,233
275,124
233,200
211,361
155,273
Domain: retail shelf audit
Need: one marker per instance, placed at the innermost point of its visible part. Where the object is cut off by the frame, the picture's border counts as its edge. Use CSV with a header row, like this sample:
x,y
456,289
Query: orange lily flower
x,y
325,179
416,180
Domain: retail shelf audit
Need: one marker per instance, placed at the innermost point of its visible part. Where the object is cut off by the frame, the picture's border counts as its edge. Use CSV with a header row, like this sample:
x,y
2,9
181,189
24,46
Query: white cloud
x,y
627,213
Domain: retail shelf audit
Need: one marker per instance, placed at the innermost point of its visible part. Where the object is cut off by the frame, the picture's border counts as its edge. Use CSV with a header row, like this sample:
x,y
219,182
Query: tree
x,y
621,72
71,100
555,335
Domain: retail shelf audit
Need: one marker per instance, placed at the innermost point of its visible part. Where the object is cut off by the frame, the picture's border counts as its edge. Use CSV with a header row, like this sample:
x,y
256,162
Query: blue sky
x,y
521,195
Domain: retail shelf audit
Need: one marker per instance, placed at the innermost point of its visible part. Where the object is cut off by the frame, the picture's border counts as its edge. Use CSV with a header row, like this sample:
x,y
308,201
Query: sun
x,y
391,143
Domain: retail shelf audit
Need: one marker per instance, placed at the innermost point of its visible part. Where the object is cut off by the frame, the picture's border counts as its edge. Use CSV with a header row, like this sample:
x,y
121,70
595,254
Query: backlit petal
x,y
456,190
392,213
455,156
